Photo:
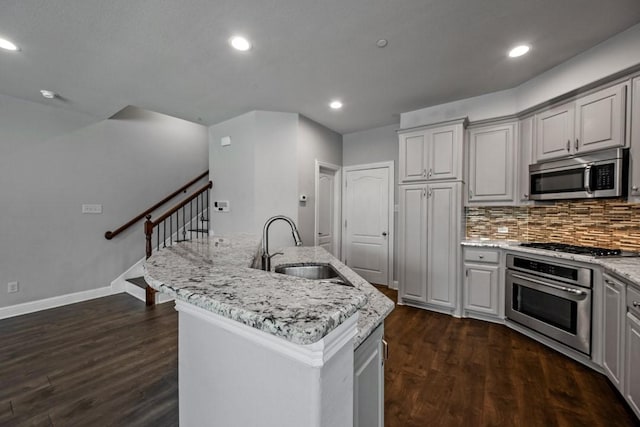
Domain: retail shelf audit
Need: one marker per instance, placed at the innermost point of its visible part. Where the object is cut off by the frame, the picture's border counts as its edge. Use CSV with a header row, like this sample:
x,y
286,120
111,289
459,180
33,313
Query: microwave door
x,y
561,184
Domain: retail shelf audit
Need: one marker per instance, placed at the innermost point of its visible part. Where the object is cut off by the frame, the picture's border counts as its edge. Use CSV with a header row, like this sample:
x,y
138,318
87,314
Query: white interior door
x,y
368,214
326,210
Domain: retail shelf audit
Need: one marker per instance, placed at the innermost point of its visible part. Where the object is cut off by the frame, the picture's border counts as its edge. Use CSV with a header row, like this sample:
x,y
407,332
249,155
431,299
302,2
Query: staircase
x,y
185,221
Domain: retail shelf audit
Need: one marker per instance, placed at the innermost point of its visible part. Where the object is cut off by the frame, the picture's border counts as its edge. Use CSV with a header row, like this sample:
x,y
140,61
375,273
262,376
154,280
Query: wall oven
x,y
551,298
600,174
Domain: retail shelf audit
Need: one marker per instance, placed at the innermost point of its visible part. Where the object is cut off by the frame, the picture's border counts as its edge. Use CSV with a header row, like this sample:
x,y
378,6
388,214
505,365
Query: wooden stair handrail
x,y
148,225
111,234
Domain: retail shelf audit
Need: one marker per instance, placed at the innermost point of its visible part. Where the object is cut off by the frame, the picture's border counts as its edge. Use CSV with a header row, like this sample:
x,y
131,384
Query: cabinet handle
x,y
608,282
576,144
470,194
424,192
634,188
430,172
525,196
385,350
429,193
481,256
636,304
568,145
384,234
424,173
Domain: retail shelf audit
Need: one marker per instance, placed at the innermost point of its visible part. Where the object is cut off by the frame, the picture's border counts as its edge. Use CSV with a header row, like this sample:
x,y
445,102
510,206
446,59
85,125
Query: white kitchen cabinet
x,y
634,161
429,227
526,156
481,291
433,153
632,365
614,310
592,122
554,132
492,160
368,381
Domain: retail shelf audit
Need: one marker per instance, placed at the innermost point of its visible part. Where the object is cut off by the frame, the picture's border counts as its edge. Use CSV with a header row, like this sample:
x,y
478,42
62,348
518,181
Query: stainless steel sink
x,y
314,271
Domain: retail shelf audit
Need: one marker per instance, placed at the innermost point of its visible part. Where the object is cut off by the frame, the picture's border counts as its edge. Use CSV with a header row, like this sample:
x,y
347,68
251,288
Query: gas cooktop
x,y
581,250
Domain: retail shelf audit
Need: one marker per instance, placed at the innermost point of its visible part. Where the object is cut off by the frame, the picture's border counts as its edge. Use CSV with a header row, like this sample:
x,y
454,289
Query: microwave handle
x,y
587,178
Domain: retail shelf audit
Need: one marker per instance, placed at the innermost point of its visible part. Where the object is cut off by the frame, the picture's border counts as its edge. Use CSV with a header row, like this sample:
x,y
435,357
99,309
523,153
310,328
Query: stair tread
x,y
138,281
199,230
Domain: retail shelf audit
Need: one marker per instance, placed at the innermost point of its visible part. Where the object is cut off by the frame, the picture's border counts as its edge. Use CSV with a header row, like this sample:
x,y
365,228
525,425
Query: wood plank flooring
x,y
113,361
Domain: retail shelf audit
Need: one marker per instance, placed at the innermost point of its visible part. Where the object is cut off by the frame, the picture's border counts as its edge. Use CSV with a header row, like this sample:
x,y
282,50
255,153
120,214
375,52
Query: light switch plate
x,y
13,287
225,140
91,209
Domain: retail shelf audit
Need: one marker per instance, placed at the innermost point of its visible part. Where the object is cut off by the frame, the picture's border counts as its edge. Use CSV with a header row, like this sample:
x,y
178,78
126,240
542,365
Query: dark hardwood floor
x,y
113,361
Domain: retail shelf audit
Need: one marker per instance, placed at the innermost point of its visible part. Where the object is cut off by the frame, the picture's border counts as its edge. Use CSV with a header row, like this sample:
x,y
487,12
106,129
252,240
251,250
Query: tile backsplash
x,y
606,223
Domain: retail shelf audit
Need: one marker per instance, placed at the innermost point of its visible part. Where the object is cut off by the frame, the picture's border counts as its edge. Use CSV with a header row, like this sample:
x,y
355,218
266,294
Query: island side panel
x,y
228,378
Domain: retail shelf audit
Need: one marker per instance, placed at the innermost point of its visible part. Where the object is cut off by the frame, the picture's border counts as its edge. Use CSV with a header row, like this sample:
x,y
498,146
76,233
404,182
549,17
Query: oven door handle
x,y
587,178
560,288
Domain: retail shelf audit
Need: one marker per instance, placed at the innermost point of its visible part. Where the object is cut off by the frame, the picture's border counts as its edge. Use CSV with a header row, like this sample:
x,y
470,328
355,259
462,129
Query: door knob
x,y
384,233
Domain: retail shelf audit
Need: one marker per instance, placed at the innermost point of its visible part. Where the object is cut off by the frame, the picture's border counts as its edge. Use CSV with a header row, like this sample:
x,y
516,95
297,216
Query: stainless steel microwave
x,y
592,175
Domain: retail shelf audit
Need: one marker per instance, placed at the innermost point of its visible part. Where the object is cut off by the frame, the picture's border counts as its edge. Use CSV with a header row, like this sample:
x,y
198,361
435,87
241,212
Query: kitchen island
x,y
262,348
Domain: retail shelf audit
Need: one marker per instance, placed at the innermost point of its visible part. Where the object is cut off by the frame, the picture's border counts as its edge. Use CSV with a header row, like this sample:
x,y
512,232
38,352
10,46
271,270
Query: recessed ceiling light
x,y
382,43
48,94
6,44
336,105
519,51
240,43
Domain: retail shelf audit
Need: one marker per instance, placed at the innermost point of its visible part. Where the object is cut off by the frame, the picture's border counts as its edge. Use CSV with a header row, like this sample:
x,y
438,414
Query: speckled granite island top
x,y
215,274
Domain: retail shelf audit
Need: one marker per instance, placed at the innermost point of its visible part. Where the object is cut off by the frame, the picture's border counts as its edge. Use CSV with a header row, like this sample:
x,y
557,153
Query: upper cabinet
x,y
492,155
433,153
590,123
635,139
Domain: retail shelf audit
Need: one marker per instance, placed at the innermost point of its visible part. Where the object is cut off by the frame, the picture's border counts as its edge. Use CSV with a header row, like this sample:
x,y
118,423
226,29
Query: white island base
x,y
232,375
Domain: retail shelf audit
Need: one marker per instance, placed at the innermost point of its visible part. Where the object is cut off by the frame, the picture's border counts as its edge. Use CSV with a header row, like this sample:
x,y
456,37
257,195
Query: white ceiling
x,y
173,57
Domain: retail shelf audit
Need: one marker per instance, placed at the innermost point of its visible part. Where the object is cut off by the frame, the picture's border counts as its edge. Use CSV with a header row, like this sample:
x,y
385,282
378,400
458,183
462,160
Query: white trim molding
x,y
53,302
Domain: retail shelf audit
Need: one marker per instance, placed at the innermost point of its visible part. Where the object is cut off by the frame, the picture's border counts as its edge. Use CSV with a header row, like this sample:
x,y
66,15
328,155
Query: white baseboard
x,y
139,293
53,302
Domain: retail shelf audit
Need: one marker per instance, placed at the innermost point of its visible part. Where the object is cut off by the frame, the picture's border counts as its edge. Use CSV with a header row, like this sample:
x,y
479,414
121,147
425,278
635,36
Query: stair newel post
x,y
148,232
150,293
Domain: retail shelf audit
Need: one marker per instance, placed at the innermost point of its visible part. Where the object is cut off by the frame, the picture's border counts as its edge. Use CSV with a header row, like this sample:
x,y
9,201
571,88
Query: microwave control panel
x,y
604,176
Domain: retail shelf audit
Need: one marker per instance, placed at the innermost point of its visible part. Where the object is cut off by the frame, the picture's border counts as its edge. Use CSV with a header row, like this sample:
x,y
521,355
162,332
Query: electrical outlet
x,y
503,229
91,209
13,287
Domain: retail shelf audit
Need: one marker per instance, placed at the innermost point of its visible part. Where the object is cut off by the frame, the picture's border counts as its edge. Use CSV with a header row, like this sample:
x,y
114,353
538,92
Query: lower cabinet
x,y
481,291
368,381
632,356
614,310
429,236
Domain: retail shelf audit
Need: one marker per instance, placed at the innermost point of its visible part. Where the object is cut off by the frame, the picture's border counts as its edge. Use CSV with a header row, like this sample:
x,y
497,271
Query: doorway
x,y
368,221
327,207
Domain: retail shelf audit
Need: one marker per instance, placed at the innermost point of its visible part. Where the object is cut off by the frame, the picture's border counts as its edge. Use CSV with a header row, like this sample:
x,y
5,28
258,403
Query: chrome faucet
x,y
266,258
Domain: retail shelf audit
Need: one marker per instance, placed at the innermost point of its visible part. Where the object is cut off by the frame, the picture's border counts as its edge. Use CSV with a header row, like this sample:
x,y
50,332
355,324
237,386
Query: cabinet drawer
x,y
481,255
633,300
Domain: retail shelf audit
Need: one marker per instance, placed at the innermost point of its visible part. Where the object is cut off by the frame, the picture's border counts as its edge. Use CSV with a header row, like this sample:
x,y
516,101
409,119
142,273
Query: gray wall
x,y
52,161
372,146
616,54
314,142
256,173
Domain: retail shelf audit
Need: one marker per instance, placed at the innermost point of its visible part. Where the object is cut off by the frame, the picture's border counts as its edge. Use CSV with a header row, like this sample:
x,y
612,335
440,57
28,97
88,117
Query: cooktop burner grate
x,y
573,249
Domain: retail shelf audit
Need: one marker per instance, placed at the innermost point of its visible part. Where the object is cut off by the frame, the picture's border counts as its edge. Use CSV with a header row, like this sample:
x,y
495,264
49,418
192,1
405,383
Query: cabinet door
x,y
481,288
444,152
412,156
632,368
368,382
443,215
412,255
614,314
491,160
526,157
635,138
554,132
600,119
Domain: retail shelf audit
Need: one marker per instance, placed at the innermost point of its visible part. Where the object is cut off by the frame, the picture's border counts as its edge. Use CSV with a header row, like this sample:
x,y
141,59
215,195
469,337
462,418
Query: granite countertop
x,y
215,274
625,267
